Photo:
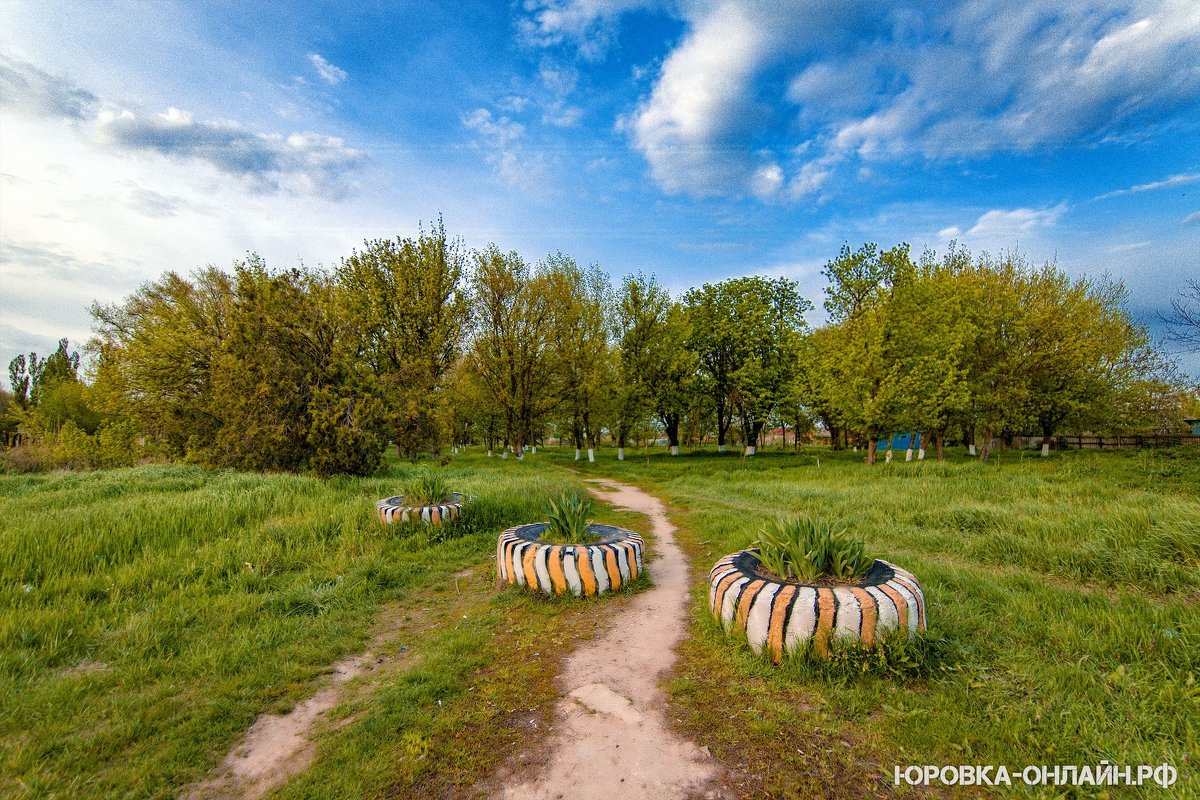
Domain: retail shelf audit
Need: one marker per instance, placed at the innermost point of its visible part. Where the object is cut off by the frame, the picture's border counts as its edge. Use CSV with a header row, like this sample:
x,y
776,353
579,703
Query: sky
x,y
695,140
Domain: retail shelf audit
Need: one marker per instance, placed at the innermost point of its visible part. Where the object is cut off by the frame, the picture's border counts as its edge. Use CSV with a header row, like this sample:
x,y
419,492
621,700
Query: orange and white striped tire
x,y
523,559
393,509
782,616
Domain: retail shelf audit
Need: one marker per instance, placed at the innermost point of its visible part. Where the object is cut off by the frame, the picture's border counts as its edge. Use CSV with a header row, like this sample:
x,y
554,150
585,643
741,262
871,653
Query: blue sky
x,y
695,140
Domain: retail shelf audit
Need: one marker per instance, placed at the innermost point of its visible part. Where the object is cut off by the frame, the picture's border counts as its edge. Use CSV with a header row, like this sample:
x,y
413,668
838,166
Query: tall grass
x,y
1064,606
147,615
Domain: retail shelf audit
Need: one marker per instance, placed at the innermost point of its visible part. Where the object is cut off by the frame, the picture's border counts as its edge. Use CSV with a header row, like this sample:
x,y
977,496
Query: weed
x,y
806,550
426,488
567,520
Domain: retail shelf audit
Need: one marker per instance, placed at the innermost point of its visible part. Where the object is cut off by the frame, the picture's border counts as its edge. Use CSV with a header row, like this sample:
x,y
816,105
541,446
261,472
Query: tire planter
x,y
523,559
393,509
782,616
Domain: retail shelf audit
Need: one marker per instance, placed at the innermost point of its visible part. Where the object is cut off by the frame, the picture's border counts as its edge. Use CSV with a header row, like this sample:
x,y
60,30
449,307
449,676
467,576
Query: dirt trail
x,y
611,738
277,746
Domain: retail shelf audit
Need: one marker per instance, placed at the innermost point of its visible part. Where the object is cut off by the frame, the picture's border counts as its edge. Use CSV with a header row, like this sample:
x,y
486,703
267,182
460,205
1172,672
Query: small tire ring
x,y
782,616
392,509
584,570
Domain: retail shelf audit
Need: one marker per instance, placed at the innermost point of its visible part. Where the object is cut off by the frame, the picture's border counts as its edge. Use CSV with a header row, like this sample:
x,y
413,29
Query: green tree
x,y
580,307
512,342
406,300
862,357
157,354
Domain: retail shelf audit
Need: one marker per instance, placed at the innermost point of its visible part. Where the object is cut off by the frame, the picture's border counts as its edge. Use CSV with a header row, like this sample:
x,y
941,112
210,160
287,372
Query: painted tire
x,y
392,509
523,559
781,616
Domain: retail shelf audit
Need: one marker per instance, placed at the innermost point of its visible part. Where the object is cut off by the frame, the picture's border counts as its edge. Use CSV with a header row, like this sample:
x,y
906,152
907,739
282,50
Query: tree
x,y
744,332
157,353
862,357
580,309
1183,320
512,341
404,297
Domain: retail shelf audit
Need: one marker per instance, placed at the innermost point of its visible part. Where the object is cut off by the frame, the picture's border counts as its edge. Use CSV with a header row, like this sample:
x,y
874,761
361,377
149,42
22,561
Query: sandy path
x,y
277,746
611,738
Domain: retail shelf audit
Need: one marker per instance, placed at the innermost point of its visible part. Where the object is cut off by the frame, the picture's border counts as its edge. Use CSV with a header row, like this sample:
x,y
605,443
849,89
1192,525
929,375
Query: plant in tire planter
x,y
568,553
427,498
803,584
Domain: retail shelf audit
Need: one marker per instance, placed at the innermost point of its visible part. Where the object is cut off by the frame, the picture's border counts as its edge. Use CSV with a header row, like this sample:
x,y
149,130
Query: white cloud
x,y
502,140
700,105
1190,218
1166,183
562,116
942,81
25,88
1000,224
317,163
767,180
329,73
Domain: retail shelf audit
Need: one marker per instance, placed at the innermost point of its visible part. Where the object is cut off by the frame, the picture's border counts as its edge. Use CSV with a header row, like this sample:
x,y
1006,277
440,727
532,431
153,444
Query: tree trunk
x,y
940,442
1047,437
987,444
871,444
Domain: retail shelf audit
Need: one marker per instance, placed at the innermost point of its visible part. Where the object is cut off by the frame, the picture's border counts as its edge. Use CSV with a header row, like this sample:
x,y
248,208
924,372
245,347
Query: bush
x,y
806,550
567,520
426,488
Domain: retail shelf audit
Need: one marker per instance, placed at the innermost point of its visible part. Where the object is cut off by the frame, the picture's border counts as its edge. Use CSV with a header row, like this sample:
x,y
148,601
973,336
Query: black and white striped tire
x,y
782,616
393,509
523,559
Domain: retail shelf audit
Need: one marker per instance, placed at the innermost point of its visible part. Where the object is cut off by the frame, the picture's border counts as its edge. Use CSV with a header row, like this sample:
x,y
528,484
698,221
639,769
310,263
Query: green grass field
x,y
1064,606
147,616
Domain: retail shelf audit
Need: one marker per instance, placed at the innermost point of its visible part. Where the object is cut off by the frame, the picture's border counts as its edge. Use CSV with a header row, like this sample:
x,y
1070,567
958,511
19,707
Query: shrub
x,y
806,550
426,488
567,520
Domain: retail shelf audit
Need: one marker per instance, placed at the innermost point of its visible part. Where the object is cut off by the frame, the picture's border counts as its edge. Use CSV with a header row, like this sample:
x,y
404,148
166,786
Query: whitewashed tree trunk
x,y
887,456
921,454
504,454
720,448
908,454
1045,449
578,455
533,450
971,449
591,456
620,454
674,449
489,452
521,455
749,449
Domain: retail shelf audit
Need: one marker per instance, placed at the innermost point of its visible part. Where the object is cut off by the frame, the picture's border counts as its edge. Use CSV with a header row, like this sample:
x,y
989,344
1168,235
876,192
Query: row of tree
x,y
419,342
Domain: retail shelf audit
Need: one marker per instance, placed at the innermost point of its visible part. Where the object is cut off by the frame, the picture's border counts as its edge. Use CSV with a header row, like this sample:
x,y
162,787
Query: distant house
x,y
1194,424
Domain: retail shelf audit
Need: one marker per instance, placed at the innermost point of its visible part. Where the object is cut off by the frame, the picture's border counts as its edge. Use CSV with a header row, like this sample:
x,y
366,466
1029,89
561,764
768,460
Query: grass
x,y
149,615
805,550
1064,608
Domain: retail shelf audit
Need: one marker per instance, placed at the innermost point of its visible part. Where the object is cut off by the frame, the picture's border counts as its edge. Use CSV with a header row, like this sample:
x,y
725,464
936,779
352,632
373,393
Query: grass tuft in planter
x,y
426,488
806,550
567,520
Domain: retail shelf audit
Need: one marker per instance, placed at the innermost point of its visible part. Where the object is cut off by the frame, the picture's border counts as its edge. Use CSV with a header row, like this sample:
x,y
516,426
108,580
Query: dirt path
x,y
611,738
279,746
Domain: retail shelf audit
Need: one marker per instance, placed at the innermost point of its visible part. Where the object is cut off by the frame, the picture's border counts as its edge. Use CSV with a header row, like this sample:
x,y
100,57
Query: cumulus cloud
x,y
319,164
328,72
702,105
27,89
866,81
